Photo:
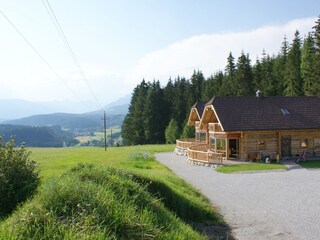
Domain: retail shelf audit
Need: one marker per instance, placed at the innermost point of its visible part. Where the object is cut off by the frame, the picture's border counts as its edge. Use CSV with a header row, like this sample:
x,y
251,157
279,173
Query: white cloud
x,y
209,52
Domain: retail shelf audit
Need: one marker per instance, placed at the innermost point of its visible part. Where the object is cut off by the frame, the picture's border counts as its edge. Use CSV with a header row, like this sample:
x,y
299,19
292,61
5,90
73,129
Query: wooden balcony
x,y
186,143
201,153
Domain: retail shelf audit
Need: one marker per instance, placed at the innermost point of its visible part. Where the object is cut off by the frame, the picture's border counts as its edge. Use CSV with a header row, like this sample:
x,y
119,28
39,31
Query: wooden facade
x,y
218,140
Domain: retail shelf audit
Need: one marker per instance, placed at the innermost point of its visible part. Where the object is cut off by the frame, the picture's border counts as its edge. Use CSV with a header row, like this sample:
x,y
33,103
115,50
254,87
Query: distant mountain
x,y
121,101
70,121
119,106
115,112
15,108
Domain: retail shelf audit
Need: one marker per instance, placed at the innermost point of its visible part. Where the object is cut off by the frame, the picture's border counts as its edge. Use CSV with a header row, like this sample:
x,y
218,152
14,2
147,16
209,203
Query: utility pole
x,y
105,131
111,139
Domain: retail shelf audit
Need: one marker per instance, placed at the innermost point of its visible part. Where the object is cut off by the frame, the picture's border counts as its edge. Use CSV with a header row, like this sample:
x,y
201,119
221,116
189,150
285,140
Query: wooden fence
x,y
201,153
186,143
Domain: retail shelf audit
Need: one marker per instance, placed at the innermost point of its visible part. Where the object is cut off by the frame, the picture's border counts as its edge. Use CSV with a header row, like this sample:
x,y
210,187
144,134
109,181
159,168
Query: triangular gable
x,y
209,116
195,113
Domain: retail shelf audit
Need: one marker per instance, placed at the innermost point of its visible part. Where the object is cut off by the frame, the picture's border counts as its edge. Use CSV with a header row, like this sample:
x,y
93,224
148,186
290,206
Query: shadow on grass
x,y
204,220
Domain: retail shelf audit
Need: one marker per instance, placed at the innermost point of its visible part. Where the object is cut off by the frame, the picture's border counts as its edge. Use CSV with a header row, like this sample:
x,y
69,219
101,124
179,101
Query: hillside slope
x,y
69,121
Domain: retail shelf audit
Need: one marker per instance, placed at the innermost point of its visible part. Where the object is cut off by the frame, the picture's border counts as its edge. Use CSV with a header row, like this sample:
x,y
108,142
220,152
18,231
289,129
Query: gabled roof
x,y
200,107
267,113
196,113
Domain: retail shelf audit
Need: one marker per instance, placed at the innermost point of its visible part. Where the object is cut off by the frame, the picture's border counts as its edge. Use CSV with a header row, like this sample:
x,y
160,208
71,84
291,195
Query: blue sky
x,y
118,43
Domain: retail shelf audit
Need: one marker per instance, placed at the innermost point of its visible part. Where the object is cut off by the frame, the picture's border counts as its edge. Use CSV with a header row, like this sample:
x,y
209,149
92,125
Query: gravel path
x,y
268,205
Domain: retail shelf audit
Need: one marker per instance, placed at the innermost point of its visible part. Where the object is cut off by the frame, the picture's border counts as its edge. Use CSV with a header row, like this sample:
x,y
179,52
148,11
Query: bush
x,y
172,132
19,177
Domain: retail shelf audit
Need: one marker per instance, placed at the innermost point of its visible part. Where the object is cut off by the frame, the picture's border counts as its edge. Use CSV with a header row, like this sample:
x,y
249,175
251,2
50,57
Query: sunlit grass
x,y
249,167
179,203
54,161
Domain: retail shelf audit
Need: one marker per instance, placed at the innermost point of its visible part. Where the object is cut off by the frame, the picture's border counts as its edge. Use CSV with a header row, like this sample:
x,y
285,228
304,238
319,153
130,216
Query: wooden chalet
x,y
252,128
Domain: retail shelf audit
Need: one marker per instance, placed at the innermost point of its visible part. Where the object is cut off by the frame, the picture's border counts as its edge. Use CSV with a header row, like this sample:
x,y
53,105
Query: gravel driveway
x,y
269,205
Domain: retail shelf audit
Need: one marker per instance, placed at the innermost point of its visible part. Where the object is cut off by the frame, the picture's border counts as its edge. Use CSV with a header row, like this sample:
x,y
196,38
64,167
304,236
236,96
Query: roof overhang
x,y
209,116
193,116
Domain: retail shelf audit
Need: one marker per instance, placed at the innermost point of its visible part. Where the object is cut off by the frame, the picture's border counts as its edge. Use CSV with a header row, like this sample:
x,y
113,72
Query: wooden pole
x,y
105,131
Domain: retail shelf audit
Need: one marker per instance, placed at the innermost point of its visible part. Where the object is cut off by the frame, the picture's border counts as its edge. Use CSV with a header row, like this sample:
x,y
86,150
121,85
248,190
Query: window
x,y
304,143
197,136
285,111
212,143
261,145
317,142
221,144
203,137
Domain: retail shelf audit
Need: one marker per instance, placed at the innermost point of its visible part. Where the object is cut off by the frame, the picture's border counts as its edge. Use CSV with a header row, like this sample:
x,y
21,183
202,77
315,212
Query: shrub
x,y
19,177
172,132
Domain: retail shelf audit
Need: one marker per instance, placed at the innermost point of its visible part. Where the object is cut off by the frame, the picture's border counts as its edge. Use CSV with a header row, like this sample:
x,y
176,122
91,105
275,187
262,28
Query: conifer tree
x,y
227,88
243,76
292,78
311,83
212,86
267,81
132,127
279,66
197,85
154,109
317,49
257,75
172,132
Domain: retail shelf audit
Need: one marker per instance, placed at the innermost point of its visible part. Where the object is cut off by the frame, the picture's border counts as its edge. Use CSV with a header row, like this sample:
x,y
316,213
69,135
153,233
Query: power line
x,y
67,45
43,59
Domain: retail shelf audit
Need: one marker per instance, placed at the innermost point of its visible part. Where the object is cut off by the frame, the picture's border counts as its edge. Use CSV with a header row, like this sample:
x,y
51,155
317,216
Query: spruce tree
x,y
227,88
197,85
133,128
257,75
243,76
292,78
267,81
154,109
311,83
212,86
317,49
279,66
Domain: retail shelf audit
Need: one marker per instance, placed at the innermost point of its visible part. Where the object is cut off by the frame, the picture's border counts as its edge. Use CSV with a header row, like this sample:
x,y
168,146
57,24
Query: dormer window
x,y
285,111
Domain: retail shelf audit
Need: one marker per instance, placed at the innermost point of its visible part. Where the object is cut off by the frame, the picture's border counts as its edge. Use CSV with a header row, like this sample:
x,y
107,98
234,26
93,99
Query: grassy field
x,y
54,161
123,194
249,167
98,135
310,164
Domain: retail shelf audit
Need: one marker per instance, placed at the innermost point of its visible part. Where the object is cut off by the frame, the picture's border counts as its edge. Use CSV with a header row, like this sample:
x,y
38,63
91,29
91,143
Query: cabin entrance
x,y
286,147
234,148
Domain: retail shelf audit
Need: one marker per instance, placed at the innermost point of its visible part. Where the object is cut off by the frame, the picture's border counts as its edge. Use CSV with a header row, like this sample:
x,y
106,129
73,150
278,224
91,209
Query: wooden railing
x,y
186,143
201,153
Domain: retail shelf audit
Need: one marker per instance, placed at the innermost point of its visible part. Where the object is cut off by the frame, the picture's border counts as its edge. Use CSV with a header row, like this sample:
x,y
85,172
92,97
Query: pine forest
x,y
158,114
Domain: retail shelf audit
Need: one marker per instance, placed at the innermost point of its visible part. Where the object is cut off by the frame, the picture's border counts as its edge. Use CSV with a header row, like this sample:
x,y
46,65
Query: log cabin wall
x,y
270,142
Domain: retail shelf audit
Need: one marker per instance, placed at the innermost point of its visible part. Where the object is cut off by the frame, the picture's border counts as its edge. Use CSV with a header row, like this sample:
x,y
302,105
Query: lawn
x,y
249,167
55,161
99,135
147,200
310,164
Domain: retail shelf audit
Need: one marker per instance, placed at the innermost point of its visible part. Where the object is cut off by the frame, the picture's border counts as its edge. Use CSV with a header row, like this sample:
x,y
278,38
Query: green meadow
x,y
121,193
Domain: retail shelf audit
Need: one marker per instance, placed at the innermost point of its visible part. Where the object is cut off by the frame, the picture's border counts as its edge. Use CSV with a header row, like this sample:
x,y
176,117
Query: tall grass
x,y
90,202
119,194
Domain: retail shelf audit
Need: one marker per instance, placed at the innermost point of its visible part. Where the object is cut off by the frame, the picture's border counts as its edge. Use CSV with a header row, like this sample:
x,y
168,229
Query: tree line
x,y
158,114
